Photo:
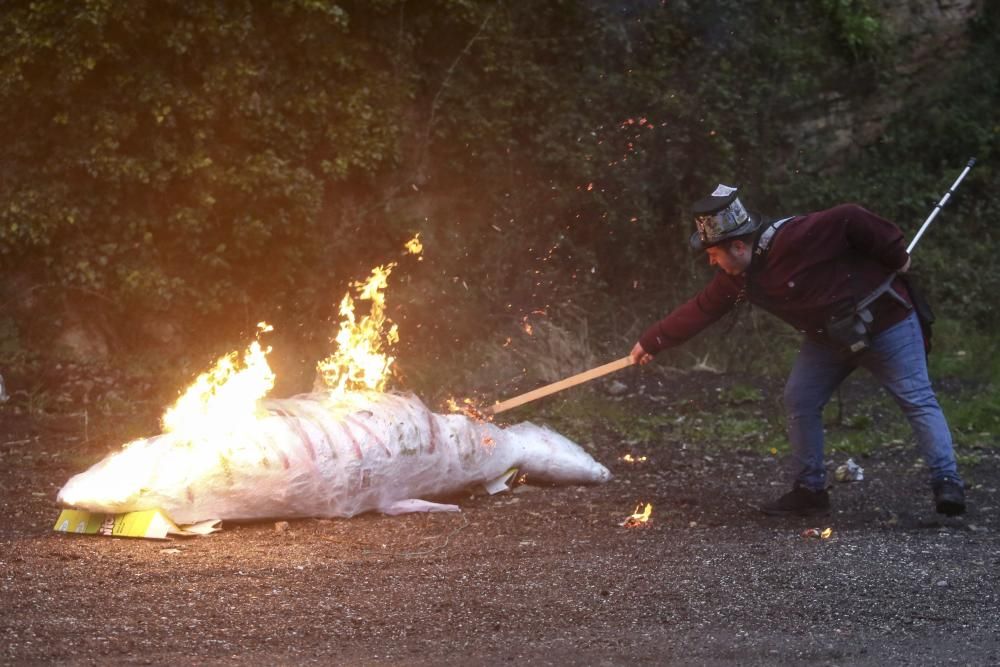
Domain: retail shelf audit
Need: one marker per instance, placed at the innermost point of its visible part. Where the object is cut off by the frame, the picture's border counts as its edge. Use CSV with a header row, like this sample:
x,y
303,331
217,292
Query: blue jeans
x,y
896,358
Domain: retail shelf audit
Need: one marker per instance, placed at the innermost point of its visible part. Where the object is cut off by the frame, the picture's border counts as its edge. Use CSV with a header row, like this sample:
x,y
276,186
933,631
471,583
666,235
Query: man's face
x,y
733,259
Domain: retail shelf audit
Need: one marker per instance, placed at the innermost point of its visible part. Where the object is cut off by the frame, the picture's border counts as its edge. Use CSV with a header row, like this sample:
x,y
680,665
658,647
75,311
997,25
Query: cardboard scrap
x,y
150,524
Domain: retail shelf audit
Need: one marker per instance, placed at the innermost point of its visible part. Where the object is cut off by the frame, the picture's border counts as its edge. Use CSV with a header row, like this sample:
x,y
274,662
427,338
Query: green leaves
x,y
857,26
182,119
241,160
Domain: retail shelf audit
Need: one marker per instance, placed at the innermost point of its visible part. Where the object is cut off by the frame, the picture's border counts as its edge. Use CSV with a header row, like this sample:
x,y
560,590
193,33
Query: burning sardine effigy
x,y
226,452
318,455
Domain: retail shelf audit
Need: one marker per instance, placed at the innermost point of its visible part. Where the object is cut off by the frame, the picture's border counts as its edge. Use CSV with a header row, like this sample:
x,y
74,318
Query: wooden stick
x,y
560,385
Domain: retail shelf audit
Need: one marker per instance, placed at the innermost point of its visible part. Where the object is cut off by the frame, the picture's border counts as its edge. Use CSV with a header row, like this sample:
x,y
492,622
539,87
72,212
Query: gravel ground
x,y
539,576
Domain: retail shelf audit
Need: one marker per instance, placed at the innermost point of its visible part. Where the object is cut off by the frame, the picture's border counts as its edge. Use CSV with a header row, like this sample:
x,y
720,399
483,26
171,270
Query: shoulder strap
x,y
765,238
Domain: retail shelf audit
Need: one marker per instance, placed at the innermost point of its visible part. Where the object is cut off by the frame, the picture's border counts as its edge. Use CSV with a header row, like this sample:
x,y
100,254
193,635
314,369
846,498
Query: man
x,y
821,273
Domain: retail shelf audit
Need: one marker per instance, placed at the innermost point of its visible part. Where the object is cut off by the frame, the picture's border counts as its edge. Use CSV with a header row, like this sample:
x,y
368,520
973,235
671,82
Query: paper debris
x,y
501,483
849,472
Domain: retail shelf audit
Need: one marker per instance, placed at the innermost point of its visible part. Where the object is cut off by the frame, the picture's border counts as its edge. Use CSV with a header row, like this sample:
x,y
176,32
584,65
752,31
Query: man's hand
x,y
906,267
639,355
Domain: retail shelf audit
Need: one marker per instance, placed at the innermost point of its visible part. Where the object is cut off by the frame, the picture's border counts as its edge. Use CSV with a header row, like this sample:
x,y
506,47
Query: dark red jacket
x,y
815,264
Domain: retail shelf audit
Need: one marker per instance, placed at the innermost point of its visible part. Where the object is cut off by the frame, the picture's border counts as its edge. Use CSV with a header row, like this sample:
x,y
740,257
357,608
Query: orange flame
x,y
639,518
225,395
816,532
414,246
469,408
362,360
226,399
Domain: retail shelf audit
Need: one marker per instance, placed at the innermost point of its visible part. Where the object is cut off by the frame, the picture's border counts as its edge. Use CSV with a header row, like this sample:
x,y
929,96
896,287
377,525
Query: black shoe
x,y
949,497
800,501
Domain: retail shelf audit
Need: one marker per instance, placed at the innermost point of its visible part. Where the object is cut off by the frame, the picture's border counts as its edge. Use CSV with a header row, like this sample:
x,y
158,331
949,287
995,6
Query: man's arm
x,y
688,319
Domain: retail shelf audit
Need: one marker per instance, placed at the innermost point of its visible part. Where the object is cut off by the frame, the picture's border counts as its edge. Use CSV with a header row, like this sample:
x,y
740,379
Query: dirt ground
x,y
538,576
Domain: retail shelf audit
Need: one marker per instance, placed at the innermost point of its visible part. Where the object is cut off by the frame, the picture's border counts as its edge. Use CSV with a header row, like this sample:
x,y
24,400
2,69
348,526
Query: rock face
x,y
65,323
927,37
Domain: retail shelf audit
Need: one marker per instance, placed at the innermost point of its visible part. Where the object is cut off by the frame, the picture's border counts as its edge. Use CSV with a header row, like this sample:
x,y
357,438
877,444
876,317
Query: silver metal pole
x,y
940,205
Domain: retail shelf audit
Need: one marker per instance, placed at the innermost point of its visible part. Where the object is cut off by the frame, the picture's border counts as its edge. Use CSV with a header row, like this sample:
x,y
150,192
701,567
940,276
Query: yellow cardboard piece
x,y
150,524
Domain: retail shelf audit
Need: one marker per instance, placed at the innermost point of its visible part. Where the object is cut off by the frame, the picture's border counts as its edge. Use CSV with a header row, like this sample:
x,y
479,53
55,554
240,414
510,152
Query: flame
x,y
227,394
639,518
414,246
816,532
628,458
221,402
226,399
362,360
469,408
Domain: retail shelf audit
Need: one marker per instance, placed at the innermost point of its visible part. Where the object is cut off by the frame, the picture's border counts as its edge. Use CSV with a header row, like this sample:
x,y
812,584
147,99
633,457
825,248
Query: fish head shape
x,y
554,458
123,481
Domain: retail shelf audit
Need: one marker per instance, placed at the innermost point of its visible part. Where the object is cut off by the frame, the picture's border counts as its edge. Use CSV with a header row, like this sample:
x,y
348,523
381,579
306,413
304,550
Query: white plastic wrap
x,y
311,456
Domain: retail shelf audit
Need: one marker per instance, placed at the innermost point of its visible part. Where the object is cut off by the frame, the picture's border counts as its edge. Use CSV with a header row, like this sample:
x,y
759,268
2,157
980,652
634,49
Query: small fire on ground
x,y
639,519
816,532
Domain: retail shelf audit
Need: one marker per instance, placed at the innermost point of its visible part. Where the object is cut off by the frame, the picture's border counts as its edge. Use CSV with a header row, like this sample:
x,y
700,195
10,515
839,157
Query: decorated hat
x,y
721,216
